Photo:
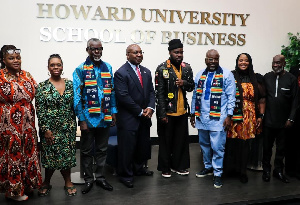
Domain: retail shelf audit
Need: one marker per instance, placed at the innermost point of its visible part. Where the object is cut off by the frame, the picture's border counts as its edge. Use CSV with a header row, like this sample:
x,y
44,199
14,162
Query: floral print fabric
x,y
55,113
245,129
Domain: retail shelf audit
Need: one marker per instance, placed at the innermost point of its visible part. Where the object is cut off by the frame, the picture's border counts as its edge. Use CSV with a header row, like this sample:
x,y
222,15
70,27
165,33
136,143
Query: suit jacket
x,y
132,97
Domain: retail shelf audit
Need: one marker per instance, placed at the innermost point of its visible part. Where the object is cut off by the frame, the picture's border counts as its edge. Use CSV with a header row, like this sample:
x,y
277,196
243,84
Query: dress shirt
x,y
227,102
80,99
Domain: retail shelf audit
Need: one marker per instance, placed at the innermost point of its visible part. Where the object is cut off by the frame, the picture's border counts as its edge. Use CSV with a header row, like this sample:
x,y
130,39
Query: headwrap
x,y
90,83
175,43
216,93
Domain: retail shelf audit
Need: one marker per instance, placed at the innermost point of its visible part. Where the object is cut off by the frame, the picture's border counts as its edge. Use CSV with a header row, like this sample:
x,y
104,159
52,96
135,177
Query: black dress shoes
x,y
266,176
145,173
87,187
104,184
281,177
127,183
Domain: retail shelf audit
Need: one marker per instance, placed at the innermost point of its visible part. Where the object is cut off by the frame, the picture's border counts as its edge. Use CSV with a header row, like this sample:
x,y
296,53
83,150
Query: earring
x,y
62,73
49,73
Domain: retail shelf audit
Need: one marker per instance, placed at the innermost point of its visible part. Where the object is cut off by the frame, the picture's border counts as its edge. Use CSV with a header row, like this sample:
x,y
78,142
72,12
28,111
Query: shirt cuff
x,y
81,117
114,110
141,113
230,112
151,109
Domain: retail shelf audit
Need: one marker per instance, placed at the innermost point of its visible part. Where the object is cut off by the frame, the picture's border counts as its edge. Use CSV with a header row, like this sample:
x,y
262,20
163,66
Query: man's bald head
x,y
212,59
278,64
134,54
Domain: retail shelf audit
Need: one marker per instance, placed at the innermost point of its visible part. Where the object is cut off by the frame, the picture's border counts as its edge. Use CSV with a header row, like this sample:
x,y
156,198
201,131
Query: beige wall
x,y
265,31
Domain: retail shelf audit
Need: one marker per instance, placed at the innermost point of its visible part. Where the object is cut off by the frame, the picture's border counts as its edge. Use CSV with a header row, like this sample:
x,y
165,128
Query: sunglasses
x,y
12,51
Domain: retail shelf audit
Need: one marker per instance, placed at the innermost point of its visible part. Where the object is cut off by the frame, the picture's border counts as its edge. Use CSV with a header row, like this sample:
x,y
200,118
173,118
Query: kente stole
x,y
90,83
237,112
215,97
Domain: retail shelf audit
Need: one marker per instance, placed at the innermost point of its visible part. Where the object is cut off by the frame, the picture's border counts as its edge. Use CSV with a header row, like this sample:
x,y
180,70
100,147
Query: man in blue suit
x,y
135,103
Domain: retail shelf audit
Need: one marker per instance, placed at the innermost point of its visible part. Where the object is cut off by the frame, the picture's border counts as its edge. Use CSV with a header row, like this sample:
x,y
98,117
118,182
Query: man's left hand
x,y
289,124
258,123
227,123
114,120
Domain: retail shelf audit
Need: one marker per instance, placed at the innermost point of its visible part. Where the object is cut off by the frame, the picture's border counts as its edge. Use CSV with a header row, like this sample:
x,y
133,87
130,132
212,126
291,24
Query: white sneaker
x,y
18,198
181,172
166,174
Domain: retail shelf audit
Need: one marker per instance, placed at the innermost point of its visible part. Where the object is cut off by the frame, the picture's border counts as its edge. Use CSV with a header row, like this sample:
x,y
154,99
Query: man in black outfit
x,y
292,157
173,78
281,105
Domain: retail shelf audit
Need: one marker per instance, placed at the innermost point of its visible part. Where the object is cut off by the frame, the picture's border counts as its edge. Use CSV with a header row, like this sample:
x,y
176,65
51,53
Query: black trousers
x,y
134,149
272,135
292,157
173,144
236,156
93,145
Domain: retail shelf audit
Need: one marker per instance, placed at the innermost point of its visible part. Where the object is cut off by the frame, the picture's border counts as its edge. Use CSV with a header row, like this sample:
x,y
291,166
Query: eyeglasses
x,y
12,51
212,60
94,49
136,52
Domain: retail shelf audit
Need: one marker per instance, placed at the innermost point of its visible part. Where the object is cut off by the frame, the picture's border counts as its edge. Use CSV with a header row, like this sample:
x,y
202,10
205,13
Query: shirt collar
x,y
133,66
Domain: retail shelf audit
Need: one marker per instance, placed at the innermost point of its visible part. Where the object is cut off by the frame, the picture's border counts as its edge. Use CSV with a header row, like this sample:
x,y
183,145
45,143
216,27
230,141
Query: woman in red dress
x,y
19,163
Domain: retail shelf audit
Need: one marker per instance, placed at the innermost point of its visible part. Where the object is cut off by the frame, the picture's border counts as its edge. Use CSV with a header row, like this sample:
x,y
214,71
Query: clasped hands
x,y
147,113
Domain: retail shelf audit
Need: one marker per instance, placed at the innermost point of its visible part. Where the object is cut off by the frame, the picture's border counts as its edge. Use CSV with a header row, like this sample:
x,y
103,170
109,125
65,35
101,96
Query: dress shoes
x,y
145,173
104,184
281,177
266,176
87,187
127,183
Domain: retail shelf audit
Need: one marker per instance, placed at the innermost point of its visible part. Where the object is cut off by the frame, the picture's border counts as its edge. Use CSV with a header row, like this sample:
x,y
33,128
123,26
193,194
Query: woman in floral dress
x,y
19,163
57,124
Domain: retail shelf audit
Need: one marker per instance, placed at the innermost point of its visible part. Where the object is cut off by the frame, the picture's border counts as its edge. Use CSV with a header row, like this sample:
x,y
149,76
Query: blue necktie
x,y
208,85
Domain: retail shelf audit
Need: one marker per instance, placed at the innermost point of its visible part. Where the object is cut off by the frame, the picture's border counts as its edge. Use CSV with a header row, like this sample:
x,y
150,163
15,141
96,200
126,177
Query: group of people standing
x,y
228,108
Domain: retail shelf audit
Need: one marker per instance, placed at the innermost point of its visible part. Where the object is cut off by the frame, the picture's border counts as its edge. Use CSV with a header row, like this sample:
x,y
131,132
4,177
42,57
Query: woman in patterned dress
x,y
19,163
247,117
57,124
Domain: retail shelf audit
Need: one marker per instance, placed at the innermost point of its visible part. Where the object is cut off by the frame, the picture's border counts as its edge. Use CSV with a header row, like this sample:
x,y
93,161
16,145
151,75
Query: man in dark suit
x,y
135,104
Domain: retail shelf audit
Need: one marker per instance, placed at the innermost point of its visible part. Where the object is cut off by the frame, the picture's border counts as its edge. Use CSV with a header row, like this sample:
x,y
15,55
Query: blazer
x,y
132,97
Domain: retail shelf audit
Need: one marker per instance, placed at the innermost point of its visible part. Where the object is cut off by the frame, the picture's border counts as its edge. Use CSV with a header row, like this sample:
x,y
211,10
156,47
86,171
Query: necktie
x,y
208,85
140,76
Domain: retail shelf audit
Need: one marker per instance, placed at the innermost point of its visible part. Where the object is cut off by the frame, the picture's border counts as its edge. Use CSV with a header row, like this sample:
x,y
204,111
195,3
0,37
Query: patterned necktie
x,y
208,85
140,76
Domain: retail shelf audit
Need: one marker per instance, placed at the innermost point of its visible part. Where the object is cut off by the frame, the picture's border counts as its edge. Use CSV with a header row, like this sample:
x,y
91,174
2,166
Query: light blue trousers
x,y
212,144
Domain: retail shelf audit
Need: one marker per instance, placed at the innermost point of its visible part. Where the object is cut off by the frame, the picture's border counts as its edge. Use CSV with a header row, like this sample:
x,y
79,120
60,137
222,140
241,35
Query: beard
x,y
97,59
278,70
175,62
